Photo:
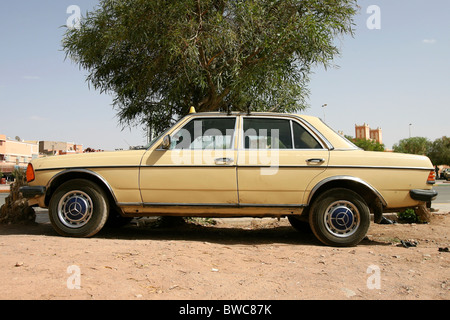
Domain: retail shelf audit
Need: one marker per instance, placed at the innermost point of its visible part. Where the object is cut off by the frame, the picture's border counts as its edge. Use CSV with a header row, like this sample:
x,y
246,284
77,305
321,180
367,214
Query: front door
x,y
198,169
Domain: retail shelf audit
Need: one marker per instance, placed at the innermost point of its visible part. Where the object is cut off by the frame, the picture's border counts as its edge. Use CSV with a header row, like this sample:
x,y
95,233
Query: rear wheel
x,y
78,208
115,219
339,217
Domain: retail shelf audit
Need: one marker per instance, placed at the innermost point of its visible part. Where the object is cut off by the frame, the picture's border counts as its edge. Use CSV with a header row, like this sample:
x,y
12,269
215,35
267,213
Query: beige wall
x,y
14,153
57,147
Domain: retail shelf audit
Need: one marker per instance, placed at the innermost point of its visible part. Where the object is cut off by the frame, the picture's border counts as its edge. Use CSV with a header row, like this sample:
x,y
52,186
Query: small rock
x,y
348,293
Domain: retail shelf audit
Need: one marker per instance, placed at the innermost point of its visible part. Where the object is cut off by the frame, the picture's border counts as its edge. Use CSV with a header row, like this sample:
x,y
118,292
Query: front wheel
x,y
300,225
78,208
339,217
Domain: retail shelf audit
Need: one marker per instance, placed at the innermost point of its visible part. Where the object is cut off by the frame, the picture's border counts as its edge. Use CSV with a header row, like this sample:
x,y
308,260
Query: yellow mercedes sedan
x,y
234,165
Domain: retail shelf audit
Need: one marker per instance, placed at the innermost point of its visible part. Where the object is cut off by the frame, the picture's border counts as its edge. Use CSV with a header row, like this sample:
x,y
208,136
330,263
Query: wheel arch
x,y
370,194
71,174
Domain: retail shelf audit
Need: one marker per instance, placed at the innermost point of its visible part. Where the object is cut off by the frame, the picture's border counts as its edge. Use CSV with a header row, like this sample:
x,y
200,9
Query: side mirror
x,y
167,141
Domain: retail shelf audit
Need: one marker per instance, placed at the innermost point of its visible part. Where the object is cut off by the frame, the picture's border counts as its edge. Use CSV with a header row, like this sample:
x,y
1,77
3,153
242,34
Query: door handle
x,y
222,161
316,160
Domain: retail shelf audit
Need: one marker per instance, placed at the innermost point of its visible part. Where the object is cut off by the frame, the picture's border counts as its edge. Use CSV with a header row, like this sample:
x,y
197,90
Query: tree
x,y
415,145
439,151
158,58
367,144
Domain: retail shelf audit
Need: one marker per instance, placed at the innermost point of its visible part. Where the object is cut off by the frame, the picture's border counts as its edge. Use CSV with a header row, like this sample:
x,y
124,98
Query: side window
x,y
303,139
267,133
206,133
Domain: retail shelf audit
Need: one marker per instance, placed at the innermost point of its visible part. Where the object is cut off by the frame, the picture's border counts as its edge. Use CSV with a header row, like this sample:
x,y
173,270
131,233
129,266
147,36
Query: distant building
x,y
58,148
14,153
375,134
364,132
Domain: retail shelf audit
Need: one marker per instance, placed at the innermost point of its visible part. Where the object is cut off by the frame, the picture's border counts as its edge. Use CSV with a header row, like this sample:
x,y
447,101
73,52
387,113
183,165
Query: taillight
x,y
30,173
431,177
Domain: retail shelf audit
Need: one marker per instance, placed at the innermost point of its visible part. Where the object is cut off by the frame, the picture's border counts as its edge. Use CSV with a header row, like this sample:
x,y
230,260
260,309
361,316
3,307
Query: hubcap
x,y
75,209
342,218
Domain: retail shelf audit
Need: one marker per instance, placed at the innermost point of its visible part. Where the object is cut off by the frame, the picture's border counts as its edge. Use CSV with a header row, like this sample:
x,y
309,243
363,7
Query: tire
x,y
300,225
78,208
340,218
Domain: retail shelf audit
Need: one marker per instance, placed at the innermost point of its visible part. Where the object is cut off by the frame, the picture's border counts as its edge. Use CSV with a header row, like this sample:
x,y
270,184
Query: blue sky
x,y
389,77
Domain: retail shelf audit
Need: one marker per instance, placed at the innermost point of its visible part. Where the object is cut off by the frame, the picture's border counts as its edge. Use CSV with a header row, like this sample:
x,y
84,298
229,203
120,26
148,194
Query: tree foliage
x,y
158,58
439,151
367,144
415,145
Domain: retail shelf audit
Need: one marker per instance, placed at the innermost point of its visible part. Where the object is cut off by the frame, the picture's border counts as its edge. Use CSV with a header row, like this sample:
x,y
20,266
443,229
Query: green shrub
x,y
408,216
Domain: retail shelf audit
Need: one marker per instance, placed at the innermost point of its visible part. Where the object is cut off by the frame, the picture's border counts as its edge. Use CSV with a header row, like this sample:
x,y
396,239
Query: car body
x,y
234,165
446,174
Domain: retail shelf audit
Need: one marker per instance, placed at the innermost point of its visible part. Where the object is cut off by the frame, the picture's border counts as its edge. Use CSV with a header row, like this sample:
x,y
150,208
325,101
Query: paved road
x,y
443,193
2,198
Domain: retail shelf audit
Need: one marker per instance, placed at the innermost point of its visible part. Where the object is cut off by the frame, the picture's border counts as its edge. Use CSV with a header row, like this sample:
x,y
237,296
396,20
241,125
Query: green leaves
x,y
438,150
367,144
414,145
160,57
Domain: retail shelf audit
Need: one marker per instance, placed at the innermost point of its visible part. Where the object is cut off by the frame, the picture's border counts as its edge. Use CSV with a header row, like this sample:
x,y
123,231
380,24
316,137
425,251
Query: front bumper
x,y
32,192
423,195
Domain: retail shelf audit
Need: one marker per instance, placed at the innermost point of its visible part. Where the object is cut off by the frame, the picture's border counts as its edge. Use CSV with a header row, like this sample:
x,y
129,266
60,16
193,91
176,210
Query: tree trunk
x,y
16,209
423,214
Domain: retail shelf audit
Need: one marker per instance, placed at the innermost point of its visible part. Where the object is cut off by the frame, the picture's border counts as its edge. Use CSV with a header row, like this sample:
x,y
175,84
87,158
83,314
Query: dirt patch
x,y
235,259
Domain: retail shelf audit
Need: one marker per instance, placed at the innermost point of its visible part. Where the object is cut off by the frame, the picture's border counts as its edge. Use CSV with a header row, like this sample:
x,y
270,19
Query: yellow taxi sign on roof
x,y
192,110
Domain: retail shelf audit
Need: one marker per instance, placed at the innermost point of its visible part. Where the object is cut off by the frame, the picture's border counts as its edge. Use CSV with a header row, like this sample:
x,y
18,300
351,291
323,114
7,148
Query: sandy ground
x,y
235,259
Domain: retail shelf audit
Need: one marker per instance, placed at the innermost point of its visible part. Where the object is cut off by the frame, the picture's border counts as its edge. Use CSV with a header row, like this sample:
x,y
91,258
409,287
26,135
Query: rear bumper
x,y
32,192
423,195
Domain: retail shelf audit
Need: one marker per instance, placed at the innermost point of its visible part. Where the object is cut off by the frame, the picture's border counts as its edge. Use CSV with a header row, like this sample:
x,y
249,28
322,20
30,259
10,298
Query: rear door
x,y
278,157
